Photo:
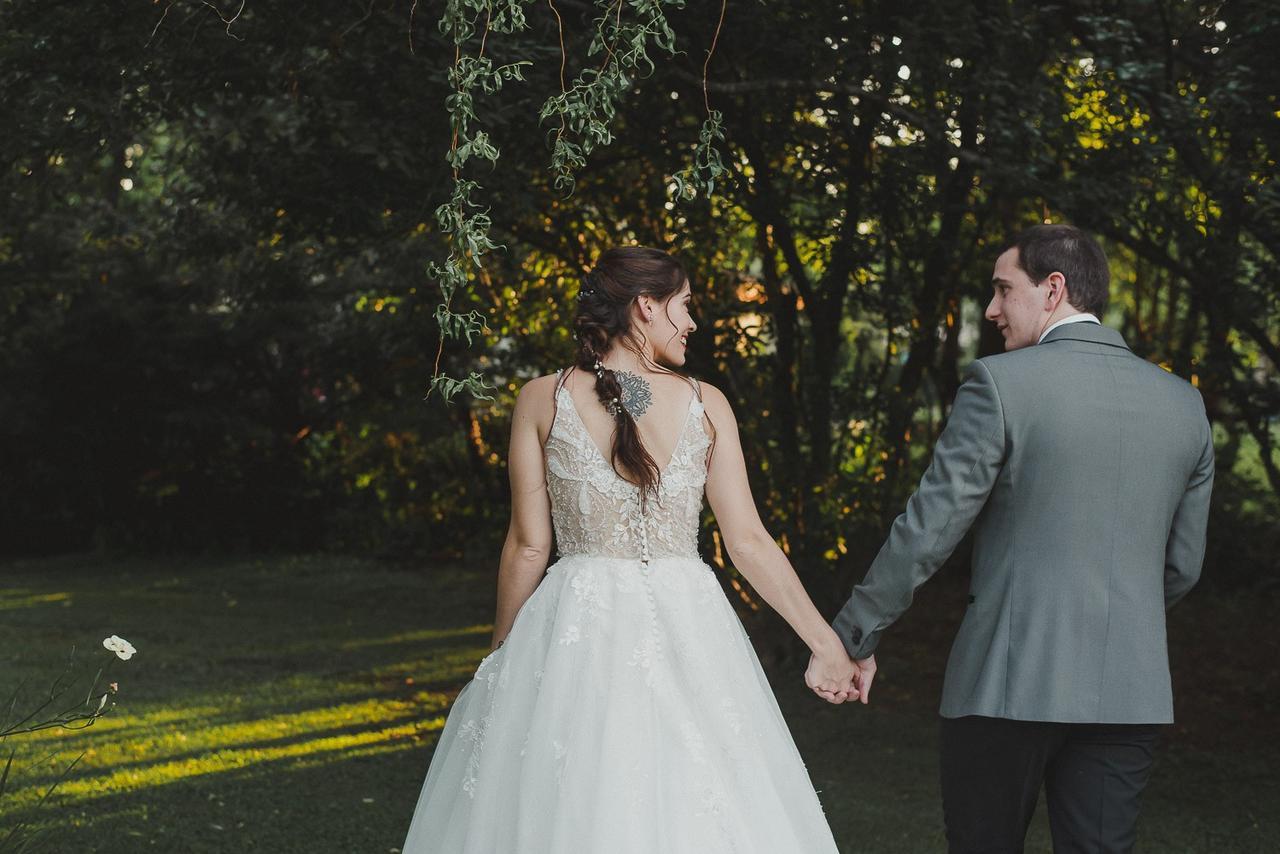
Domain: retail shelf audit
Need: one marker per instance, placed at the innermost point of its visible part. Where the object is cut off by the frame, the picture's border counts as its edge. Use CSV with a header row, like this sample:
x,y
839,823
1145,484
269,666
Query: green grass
x,y
291,705
1249,460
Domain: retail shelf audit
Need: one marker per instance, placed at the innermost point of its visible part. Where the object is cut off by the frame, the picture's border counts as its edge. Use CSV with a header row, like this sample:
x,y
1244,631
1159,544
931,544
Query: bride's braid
x,y
604,317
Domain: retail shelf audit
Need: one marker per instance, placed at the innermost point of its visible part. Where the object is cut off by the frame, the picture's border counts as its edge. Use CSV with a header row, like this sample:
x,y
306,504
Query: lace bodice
x,y
597,512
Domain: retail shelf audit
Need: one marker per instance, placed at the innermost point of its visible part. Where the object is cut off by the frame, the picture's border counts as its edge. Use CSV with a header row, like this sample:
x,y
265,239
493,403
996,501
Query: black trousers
x,y
1093,776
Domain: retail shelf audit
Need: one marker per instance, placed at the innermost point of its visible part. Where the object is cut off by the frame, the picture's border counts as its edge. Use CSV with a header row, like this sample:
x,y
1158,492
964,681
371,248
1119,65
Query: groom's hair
x,y
1065,249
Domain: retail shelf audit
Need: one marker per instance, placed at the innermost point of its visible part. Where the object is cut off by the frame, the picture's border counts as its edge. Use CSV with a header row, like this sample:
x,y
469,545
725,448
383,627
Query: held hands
x,y
837,679
831,676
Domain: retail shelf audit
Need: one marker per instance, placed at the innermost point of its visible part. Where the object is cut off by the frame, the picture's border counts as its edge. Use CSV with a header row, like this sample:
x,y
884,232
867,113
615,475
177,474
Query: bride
x,y
622,709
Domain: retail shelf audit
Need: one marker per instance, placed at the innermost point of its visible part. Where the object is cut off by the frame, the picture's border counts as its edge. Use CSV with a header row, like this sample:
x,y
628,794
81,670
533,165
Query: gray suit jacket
x,y
1084,472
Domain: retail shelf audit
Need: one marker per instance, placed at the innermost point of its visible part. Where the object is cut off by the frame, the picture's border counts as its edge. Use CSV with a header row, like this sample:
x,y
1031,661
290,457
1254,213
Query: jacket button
x,y
856,636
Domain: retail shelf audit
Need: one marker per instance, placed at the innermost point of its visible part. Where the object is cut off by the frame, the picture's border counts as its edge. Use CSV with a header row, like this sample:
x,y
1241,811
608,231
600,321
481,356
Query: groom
x,y
1084,472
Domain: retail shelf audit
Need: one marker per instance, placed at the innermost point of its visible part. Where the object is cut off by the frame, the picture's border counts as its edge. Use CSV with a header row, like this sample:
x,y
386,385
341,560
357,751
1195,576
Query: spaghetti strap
x,y
697,388
562,376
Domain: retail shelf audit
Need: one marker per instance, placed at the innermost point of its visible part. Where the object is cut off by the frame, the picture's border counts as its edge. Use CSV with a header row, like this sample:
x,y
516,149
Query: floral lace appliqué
x,y
596,512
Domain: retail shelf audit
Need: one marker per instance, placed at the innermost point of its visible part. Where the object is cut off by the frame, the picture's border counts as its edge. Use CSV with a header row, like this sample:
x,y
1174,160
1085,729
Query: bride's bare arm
x,y
528,546
752,550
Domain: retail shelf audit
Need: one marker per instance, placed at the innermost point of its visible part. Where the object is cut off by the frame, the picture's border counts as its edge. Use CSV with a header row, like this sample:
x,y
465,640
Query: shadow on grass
x,y
419,719
357,801
259,689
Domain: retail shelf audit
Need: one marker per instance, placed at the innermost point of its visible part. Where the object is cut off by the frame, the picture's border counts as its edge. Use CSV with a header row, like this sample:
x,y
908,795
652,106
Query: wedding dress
x,y
626,713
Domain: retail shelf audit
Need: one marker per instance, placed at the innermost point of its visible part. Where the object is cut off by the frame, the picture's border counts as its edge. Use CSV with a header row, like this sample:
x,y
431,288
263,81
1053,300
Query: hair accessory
x,y
584,293
614,406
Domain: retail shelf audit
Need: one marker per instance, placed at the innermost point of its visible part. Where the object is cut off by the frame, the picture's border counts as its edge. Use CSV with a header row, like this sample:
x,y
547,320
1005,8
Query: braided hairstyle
x,y
619,278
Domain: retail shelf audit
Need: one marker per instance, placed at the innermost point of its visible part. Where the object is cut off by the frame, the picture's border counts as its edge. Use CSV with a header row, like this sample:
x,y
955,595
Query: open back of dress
x,y
597,512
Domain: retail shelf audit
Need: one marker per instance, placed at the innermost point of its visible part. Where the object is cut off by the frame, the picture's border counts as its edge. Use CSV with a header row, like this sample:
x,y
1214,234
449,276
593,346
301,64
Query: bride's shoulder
x,y
710,394
714,400
536,396
540,386
538,389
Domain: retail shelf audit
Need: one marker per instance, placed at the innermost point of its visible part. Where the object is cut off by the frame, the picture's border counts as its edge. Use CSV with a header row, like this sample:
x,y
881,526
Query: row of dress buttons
x,y
644,534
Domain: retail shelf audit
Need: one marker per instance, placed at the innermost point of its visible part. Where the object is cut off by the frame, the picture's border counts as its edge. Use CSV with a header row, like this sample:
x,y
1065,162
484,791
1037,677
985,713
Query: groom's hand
x,y
866,672
831,679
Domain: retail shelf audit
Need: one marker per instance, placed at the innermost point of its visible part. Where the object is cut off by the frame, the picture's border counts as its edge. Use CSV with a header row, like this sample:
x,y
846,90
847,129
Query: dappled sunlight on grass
x,y
420,636
296,721
225,759
130,752
249,677
133,740
451,665
14,598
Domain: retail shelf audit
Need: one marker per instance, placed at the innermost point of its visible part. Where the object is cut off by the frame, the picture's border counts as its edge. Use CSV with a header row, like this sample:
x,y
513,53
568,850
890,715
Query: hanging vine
x,y
462,218
626,31
700,175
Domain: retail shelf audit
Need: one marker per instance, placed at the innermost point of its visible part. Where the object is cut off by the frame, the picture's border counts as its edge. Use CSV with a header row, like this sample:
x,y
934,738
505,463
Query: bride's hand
x,y
830,675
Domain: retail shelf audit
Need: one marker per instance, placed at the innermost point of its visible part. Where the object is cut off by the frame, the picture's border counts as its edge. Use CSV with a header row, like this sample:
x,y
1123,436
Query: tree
x,y
218,318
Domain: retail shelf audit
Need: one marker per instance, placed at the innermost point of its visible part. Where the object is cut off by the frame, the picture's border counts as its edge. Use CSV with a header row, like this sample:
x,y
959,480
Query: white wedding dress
x,y
626,713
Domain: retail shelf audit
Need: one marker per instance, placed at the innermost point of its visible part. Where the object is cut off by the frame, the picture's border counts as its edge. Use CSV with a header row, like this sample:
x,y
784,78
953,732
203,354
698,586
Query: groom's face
x,y
1017,304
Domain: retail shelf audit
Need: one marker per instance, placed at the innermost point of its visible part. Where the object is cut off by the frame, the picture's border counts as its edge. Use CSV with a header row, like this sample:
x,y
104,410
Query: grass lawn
x,y
291,705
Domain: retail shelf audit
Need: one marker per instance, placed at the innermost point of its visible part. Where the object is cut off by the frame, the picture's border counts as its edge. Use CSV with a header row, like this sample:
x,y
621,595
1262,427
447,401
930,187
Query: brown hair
x,y
619,278
1065,249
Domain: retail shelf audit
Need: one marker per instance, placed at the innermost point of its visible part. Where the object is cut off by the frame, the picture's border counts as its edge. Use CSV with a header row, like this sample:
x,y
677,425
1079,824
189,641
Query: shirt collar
x,y
1083,317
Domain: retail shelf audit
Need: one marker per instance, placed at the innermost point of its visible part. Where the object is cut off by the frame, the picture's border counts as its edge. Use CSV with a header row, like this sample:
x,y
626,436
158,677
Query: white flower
x,y
121,647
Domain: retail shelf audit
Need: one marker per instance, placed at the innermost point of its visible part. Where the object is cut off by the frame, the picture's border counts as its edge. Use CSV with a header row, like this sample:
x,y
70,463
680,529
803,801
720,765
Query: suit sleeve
x,y
966,462
1184,553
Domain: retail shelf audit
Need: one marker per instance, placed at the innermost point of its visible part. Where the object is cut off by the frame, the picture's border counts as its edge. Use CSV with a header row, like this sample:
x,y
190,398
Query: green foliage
x,y
587,110
624,33
233,352
230,352
700,175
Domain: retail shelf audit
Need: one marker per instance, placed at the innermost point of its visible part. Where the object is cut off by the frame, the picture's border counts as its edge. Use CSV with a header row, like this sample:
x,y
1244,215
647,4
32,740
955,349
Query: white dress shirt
x,y
1084,317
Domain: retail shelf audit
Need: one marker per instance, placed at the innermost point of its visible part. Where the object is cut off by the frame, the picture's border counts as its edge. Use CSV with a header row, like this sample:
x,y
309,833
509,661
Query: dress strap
x,y
562,376
697,387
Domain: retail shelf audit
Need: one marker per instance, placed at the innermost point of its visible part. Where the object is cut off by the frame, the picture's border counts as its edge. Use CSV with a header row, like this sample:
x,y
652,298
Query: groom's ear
x,y
1055,291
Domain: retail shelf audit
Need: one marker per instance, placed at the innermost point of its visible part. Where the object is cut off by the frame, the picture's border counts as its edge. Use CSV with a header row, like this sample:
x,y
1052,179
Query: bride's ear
x,y
645,308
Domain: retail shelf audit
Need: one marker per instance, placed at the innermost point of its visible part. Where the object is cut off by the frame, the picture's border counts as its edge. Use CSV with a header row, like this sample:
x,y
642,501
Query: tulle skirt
x,y
626,713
